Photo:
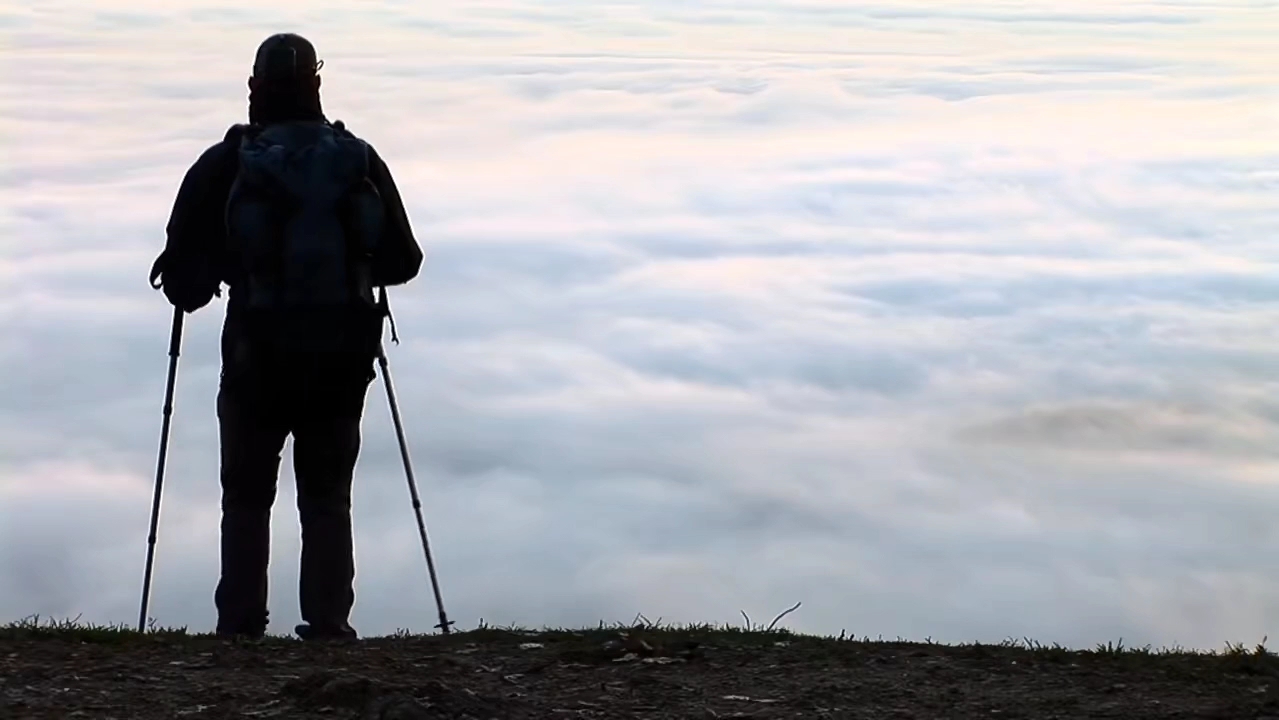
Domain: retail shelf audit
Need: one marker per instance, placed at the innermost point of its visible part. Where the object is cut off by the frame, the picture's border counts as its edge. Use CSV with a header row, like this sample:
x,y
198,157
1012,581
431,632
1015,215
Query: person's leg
x,y
326,447
252,438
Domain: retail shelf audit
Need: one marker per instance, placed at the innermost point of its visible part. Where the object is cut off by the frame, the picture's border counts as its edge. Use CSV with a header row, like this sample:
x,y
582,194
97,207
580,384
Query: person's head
x,y
285,84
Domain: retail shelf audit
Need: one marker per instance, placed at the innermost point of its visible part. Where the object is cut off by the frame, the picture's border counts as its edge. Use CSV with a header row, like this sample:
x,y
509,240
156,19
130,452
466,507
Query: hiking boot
x,y
319,632
242,628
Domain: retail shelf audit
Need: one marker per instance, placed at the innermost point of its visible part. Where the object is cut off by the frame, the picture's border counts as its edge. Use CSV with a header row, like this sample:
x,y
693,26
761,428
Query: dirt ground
x,y
613,673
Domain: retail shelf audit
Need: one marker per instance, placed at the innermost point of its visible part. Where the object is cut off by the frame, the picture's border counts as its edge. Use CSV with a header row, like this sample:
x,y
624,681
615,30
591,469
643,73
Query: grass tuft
x,y
74,630
1238,657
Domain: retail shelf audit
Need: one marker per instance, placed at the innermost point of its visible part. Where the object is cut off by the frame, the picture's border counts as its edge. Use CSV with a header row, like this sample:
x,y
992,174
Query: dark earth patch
x,y
646,672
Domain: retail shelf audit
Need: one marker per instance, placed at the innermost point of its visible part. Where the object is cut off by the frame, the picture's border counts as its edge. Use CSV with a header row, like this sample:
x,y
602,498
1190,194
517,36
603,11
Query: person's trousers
x,y
255,419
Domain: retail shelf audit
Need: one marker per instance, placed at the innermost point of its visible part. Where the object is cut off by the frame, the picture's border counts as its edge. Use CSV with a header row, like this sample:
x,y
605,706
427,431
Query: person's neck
x,y
270,110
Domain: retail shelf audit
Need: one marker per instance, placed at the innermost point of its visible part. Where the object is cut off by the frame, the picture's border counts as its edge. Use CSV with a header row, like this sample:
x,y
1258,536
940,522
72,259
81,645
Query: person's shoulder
x,y
234,133
222,151
232,139
343,130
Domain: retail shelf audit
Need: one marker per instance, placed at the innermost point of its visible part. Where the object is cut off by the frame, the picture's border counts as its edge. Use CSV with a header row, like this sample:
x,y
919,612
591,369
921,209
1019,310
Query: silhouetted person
x,y
302,221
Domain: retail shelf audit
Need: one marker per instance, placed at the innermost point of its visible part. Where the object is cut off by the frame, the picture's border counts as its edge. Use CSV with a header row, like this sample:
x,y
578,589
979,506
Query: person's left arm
x,y
189,269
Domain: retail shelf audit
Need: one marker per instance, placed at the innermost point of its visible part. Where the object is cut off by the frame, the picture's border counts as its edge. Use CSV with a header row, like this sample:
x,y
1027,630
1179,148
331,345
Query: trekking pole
x,y
408,471
175,342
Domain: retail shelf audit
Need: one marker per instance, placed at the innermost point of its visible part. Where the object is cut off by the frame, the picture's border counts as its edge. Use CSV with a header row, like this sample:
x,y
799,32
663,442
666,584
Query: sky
x,y
950,323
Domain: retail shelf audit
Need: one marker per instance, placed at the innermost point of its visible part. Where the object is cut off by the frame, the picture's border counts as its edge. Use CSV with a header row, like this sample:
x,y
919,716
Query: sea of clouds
x,y
947,322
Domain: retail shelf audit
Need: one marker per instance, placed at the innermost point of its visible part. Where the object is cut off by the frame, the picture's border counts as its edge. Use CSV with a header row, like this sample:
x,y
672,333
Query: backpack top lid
x,y
312,162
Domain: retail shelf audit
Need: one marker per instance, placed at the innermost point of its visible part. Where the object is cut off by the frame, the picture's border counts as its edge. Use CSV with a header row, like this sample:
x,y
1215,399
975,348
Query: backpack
x,y
303,220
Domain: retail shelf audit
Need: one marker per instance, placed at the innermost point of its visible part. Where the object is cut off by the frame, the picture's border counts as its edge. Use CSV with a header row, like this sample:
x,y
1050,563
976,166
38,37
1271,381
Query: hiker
x,y
302,221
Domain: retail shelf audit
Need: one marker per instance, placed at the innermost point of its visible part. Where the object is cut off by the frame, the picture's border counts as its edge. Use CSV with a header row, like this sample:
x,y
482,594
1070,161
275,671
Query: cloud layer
x,y
947,322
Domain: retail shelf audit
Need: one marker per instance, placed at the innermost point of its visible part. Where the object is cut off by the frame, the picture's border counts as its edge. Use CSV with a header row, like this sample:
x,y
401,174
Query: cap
x,y
286,56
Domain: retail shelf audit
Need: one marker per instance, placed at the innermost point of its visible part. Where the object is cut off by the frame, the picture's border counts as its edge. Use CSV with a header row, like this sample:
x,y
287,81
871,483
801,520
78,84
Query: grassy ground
x,y
68,670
